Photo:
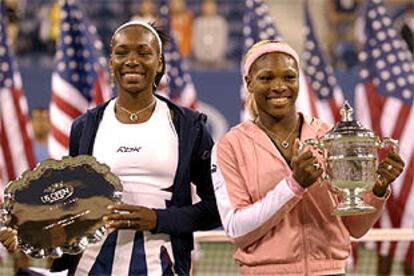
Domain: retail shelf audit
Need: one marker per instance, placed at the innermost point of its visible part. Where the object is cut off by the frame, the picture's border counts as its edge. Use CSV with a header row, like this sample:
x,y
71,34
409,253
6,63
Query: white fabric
x,y
143,24
237,223
145,157
89,257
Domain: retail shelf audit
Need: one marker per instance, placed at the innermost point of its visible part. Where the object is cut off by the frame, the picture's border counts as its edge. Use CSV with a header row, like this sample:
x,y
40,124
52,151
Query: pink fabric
x,y
302,237
269,48
295,186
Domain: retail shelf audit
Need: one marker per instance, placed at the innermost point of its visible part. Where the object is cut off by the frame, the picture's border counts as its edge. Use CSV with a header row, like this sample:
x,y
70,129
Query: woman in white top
x,y
157,149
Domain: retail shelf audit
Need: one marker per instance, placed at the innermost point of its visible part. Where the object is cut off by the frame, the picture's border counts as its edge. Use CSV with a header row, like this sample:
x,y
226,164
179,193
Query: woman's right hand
x,y
8,237
305,166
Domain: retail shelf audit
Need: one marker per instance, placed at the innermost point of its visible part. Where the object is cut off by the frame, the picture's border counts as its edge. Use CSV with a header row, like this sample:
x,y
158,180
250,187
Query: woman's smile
x,y
135,60
278,101
133,77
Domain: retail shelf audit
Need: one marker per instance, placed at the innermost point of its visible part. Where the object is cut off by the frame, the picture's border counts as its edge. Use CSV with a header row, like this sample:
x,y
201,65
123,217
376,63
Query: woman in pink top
x,y
267,193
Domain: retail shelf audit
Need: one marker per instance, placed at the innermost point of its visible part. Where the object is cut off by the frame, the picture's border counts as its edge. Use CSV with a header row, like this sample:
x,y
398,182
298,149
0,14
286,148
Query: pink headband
x,y
268,48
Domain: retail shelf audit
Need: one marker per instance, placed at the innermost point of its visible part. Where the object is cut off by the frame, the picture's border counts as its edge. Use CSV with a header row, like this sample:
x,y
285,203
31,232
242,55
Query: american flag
x,y
323,94
16,150
384,103
319,95
257,25
80,78
177,83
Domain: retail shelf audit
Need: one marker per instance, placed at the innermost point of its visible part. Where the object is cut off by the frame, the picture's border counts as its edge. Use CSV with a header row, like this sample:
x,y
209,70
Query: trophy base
x,y
353,209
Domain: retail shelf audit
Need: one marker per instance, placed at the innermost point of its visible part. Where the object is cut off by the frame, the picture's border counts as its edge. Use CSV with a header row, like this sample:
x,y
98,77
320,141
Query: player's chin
x,y
279,112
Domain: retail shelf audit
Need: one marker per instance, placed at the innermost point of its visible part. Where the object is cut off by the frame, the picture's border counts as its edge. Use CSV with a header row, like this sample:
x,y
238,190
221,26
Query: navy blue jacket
x,y
181,218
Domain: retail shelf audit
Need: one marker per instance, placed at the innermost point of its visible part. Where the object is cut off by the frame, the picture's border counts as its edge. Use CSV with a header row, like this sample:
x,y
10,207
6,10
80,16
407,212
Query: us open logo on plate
x,y
56,192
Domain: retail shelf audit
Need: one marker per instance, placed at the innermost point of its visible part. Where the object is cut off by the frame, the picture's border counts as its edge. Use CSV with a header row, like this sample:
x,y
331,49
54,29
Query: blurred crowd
x,y
209,33
34,27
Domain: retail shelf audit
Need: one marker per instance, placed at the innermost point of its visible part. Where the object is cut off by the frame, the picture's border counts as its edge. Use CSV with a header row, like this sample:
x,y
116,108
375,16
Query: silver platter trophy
x,y
58,207
350,151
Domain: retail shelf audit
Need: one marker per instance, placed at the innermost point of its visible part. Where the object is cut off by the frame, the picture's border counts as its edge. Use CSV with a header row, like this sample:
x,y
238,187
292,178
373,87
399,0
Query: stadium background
x,y
217,88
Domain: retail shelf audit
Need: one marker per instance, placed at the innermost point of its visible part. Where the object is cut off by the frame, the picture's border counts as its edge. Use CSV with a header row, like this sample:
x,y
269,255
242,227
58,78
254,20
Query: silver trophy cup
x,y
350,151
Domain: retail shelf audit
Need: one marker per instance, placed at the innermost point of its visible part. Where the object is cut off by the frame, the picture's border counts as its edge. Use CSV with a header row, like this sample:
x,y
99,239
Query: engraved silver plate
x,y
58,207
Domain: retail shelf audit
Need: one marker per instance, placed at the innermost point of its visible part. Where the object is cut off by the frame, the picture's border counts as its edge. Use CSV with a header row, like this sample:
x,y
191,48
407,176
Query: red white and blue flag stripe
x,y
324,96
319,94
384,103
80,79
16,149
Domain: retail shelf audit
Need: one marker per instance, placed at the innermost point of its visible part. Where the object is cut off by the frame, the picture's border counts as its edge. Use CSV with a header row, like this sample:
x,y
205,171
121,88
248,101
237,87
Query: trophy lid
x,y
348,126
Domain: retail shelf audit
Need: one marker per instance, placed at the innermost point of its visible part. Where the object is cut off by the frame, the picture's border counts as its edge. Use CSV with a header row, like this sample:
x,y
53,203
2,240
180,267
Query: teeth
x,y
133,76
283,100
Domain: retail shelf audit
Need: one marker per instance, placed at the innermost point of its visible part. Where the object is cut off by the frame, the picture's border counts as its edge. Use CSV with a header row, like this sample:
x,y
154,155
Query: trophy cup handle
x,y
383,143
388,141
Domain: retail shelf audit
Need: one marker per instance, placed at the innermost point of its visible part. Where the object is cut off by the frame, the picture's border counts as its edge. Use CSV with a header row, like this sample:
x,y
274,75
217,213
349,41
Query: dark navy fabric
x,y
181,218
166,262
138,266
105,258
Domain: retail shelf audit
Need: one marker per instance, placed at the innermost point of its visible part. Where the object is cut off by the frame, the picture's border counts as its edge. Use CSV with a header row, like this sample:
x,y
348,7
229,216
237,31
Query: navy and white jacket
x,y
181,218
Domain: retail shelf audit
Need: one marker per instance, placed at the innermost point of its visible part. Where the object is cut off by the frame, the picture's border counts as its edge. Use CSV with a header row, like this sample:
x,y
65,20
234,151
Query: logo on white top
x,y
129,149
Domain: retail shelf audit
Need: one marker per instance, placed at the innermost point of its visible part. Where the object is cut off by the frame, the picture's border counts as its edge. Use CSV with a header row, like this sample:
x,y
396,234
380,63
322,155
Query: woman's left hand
x,y
388,170
126,216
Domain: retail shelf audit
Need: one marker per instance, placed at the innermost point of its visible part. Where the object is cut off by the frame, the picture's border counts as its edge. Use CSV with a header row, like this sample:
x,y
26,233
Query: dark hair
x,y
164,39
162,33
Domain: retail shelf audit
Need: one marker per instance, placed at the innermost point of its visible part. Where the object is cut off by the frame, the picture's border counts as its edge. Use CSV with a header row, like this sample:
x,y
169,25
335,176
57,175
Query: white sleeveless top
x,y
145,157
